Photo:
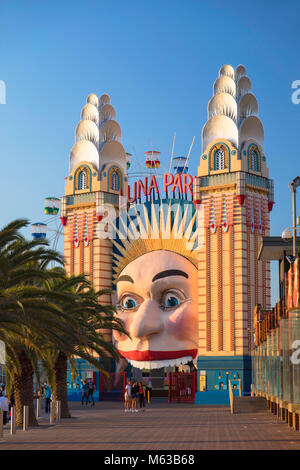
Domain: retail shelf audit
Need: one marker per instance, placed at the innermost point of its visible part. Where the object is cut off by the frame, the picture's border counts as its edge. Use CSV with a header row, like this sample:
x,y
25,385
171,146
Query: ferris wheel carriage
x,y
180,165
52,228
152,159
128,160
38,230
51,205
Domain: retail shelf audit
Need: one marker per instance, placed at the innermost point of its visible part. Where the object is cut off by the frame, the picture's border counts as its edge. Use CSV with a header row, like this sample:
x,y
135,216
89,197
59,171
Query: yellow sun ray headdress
x,y
168,224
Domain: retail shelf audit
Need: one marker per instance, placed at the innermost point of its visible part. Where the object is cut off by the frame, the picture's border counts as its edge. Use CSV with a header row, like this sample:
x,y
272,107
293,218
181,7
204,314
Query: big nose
x,y
147,320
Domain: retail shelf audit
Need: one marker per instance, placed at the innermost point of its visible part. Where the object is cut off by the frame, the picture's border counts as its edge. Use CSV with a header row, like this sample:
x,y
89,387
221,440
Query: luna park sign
x,y
183,183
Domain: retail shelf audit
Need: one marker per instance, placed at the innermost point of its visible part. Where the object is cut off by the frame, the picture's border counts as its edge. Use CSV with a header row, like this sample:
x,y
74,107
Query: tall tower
x,y
97,177
234,190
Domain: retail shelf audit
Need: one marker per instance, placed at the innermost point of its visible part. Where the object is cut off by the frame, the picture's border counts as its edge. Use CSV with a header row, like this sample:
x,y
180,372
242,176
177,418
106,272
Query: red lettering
x,y
166,182
188,185
153,185
177,183
134,196
143,187
184,185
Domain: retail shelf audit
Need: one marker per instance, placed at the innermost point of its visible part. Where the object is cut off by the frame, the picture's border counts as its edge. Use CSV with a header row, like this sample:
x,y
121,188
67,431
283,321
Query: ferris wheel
x,y
153,165
150,165
51,227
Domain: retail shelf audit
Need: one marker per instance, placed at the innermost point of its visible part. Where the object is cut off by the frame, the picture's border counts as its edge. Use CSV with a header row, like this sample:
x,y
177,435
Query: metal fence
x,y
276,360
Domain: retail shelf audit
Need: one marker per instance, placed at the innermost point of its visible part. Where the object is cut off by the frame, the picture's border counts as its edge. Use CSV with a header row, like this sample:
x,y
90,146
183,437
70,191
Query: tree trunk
x,y
23,388
60,394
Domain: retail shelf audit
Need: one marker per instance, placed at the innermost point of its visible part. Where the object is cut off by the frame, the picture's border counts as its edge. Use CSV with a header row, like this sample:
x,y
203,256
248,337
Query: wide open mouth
x,y
157,355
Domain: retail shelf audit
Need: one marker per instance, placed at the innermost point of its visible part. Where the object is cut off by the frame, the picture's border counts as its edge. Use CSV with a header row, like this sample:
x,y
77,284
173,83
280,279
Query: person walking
x,y
142,395
12,401
127,397
4,407
47,395
134,393
148,389
84,395
91,387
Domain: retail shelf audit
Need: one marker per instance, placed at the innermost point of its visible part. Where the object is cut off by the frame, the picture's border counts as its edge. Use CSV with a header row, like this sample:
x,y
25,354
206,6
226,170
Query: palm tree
x,y
44,310
90,317
27,310
20,263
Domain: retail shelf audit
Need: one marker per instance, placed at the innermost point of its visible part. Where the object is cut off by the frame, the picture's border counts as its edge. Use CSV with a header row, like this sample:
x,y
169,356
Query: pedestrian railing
x,y
230,396
25,417
52,412
55,416
38,407
58,410
13,420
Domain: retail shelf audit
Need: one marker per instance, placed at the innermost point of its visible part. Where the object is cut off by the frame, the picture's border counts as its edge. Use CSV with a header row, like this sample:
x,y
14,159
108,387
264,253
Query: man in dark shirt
x,y
91,388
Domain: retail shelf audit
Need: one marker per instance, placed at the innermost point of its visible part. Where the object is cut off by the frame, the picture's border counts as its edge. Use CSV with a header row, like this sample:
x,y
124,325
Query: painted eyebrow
x,y
170,272
125,278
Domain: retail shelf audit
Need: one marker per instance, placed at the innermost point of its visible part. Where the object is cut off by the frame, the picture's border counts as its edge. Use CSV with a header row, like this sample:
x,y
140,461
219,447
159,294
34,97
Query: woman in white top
x,y
127,396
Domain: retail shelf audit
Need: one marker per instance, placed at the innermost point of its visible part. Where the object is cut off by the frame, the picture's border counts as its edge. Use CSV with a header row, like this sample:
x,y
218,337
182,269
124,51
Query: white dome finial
x,y
232,111
93,99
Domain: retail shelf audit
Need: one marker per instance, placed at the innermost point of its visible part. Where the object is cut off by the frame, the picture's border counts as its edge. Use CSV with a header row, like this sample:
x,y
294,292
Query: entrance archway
x,y
182,387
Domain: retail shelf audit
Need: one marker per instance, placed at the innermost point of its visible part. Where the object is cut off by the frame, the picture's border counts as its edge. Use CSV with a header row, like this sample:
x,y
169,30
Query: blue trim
x,y
209,155
259,157
108,177
81,167
218,397
233,367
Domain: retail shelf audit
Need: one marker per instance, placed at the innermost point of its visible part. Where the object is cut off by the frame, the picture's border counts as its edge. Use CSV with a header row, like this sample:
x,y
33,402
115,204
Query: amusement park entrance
x,y
182,387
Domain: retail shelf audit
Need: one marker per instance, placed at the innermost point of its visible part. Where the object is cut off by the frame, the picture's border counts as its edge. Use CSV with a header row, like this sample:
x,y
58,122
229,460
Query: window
x,y
115,181
219,159
82,180
254,158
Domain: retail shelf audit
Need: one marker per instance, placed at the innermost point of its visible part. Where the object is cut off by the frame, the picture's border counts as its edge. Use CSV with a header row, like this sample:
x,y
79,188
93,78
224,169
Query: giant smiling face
x,y
157,295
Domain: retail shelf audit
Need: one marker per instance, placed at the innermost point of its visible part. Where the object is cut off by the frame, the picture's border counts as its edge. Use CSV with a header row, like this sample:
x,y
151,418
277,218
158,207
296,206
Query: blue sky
x,y
157,60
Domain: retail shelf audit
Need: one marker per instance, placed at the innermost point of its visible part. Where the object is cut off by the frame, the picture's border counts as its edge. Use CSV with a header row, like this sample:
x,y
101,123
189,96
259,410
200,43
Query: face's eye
x,y
128,302
171,299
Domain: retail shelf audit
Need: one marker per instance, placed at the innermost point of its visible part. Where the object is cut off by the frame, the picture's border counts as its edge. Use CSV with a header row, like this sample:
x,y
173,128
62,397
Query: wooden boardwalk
x,y
160,427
